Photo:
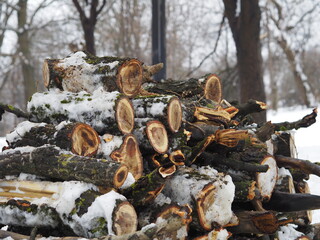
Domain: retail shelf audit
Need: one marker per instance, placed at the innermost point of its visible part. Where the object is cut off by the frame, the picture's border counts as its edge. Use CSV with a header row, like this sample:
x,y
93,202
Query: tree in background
x,y
244,22
291,29
24,45
89,12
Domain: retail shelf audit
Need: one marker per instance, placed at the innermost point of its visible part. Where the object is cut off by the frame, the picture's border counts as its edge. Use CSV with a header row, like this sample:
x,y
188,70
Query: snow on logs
x,y
53,163
76,205
83,72
165,108
79,138
106,112
171,159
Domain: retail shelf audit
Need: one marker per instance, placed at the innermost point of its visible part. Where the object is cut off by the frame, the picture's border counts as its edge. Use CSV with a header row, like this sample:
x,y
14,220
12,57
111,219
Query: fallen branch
x,y
303,165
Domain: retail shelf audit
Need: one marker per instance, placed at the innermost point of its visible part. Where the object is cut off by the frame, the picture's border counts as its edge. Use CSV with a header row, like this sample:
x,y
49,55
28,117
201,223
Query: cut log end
x,y
174,112
120,176
125,115
213,89
266,222
130,155
125,219
85,140
267,181
157,136
129,77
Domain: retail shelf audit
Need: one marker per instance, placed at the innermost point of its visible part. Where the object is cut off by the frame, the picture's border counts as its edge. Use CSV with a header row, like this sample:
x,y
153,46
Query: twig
x,y
213,51
16,111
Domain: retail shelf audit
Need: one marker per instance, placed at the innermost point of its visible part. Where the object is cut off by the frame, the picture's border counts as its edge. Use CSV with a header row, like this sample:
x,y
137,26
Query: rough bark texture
x,y
208,86
51,163
246,34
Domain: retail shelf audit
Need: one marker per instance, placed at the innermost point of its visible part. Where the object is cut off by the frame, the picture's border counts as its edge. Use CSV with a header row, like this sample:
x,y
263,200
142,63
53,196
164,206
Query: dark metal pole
x,y
159,36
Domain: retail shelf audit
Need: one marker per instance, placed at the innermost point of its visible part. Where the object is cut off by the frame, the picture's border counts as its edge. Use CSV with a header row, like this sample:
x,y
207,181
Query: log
x,y
290,202
208,86
147,188
152,231
152,137
87,213
83,72
165,108
210,195
79,138
122,149
105,112
233,161
52,163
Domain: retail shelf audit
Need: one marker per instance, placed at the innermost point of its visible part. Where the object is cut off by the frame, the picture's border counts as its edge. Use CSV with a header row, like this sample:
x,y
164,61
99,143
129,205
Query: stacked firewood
x,y
107,153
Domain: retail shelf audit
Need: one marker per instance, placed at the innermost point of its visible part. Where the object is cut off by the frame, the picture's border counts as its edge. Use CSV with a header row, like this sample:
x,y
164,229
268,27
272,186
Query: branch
x,y
80,10
16,111
102,6
303,165
213,51
44,4
306,121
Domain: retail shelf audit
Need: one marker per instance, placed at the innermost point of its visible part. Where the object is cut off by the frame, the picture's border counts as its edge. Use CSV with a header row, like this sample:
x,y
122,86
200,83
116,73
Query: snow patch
x,y
21,129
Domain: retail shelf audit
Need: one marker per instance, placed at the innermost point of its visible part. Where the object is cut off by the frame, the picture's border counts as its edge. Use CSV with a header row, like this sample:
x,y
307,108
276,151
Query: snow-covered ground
x,y
306,139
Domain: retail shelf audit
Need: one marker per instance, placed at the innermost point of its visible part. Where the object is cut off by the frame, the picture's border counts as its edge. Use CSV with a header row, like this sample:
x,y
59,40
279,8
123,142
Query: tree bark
x,y
246,34
208,86
51,163
24,49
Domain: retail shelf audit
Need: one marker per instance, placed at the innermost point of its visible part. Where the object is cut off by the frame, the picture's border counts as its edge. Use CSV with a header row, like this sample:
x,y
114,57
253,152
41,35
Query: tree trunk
x,y
24,48
246,34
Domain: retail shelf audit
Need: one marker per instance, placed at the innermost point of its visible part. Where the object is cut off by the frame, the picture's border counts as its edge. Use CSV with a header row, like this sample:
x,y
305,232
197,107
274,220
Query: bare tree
x,y
245,27
287,23
89,19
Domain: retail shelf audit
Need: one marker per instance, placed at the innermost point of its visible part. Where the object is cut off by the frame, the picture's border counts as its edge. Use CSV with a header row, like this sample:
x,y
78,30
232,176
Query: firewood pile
x,y
107,153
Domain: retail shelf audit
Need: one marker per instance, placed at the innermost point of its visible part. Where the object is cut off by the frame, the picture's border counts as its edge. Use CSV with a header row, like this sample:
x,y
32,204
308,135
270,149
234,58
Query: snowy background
x,y
306,140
